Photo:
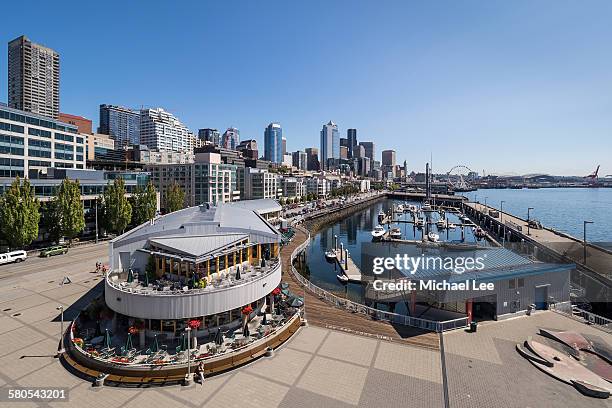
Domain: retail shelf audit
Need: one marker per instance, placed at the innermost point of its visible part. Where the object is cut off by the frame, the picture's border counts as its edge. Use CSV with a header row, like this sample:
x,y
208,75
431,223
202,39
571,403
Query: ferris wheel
x,y
459,178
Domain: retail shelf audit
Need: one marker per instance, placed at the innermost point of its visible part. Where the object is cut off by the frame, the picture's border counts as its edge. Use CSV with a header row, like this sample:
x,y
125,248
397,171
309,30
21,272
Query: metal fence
x,y
597,321
376,314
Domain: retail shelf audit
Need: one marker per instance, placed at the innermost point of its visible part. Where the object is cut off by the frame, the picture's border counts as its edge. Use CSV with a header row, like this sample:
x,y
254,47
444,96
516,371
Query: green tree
x,y
69,207
144,204
116,208
19,214
50,220
175,198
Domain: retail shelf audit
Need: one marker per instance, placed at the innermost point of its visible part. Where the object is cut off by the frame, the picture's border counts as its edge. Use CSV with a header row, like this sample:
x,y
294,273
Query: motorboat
x,y
378,232
342,278
330,255
441,223
479,232
465,219
413,208
395,233
419,223
399,208
426,207
433,237
451,226
381,216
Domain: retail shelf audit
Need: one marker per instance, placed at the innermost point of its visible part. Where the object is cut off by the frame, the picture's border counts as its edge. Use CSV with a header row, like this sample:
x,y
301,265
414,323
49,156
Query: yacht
x,y
381,216
378,232
399,208
451,226
395,233
330,255
441,223
413,208
426,207
433,237
419,223
342,278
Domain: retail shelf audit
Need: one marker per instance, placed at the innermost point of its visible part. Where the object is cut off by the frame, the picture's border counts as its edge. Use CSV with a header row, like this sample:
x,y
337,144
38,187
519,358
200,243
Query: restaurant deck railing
x,y
376,314
225,283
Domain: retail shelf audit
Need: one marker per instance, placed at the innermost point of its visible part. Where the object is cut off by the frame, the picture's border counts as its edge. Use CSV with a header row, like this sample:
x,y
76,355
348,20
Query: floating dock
x,y
348,267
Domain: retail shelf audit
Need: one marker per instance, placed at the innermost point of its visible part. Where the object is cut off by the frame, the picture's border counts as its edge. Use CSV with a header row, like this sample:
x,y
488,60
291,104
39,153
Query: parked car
x,y
14,256
54,250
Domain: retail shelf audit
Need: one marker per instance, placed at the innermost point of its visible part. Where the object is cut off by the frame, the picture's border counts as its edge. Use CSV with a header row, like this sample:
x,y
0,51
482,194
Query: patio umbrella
x,y
155,347
265,318
263,262
219,337
128,343
183,342
285,292
107,339
246,332
146,278
296,302
284,285
130,277
237,273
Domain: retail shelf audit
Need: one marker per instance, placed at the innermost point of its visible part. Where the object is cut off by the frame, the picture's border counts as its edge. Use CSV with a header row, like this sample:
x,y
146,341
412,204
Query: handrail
x,y
208,289
574,312
432,325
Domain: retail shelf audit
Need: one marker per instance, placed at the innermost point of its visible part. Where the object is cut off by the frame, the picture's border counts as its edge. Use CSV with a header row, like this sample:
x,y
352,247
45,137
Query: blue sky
x,y
505,87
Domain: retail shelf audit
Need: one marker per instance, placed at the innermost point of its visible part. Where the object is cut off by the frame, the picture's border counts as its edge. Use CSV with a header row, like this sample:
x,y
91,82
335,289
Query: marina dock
x,y
348,267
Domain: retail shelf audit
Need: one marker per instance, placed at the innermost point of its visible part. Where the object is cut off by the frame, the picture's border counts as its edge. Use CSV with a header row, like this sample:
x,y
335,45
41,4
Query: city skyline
x,y
418,81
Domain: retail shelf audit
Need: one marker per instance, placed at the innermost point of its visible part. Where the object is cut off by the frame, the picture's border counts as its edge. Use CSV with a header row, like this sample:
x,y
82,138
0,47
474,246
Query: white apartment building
x,y
293,187
319,186
30,141
206,180
260,183
160,130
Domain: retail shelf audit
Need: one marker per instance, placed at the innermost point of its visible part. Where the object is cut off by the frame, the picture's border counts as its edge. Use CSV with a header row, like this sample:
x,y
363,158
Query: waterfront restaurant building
x,y
205,263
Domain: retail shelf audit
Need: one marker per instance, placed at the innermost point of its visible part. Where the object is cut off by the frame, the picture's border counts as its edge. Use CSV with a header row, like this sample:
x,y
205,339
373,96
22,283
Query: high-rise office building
x,y
230,138
273,143
388,162
284,142
248,148
351,136
299,160
161,130
369,149
312,159
210,135
330,143
121,124
33,78
344,152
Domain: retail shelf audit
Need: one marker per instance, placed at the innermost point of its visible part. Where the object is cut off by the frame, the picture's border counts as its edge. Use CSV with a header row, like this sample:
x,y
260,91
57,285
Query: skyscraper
x,y
299,160
330,143
163,131
284,142
369,149
351,135
210,135
388,162
121,124
33,77
273,143
312,159
230,138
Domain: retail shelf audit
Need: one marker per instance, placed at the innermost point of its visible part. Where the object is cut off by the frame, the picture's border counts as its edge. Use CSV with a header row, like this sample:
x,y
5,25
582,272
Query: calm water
x,y
356,229
563,209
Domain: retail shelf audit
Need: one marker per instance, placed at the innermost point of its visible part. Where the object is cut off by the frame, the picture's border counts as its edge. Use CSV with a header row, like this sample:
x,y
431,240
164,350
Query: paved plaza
x,y
318,367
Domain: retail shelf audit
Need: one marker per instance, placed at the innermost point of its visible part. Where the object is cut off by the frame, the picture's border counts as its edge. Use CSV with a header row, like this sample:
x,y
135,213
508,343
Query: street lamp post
x,y
584,241
96,220
61,349
188,378
501,219
528,219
